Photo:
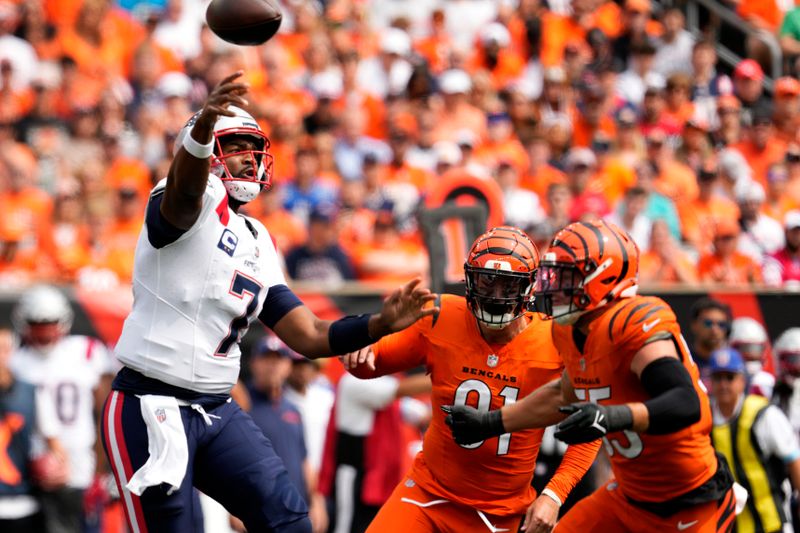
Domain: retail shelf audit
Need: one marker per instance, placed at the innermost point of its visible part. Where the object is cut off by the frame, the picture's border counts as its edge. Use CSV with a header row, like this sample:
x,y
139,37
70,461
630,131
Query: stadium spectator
x,y
674,46
580,166
710,326
748,86
388,256
786,115
757,440
120,237
591,116
783,267
790,34
673,179
695,145
725,264
281,423
659,206
631,83
307,190
761,146
778,202
320,258
630,216
388,72
664,261
761,234
457,112
728,113
287,230
700,216
679,107
793,167
521,208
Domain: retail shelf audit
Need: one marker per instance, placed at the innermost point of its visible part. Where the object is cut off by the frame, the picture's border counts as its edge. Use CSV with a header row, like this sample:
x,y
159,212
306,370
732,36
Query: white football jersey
x,y
66,377
193,299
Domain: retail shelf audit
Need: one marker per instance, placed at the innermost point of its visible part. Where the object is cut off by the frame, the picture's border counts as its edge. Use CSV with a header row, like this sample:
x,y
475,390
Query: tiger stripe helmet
x,y
499,273
588,265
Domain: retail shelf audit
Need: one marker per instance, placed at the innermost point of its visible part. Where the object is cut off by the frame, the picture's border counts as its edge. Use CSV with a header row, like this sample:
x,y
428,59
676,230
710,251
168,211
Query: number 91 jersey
x,y
648,468
494,475
195,297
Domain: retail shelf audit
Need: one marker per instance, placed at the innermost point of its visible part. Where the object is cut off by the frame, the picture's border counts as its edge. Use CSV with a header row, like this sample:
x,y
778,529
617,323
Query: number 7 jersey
x,y
648,468
195,297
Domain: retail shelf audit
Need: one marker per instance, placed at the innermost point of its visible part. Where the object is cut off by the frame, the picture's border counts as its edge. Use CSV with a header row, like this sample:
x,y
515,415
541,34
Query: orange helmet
x,y
500,271
588,265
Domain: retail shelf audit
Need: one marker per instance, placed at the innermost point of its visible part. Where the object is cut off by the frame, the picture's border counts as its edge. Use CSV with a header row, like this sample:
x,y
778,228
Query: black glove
x,y
590,421
470,425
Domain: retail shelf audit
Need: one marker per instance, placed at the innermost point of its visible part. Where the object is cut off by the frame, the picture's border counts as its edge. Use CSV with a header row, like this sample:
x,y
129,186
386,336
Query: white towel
x,y
167,446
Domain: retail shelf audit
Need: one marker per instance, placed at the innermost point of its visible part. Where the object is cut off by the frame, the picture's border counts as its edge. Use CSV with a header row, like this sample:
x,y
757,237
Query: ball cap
x,y
787,86
792,219
749,69
726,360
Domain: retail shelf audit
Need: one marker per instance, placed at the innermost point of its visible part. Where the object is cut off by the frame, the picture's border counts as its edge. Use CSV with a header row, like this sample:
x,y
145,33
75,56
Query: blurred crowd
x,y
575,109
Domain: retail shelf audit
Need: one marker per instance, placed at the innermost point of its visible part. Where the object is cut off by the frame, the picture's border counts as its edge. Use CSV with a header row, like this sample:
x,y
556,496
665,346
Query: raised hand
x,y
402,308
227,92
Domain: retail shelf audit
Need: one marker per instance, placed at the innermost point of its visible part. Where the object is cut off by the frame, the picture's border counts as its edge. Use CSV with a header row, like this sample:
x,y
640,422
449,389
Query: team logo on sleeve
x,y
491,360
227,242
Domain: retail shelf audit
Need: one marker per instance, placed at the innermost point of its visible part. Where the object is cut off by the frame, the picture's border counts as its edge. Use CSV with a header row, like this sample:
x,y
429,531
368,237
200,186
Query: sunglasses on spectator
x,y
723,376
721,324
793,158
729,111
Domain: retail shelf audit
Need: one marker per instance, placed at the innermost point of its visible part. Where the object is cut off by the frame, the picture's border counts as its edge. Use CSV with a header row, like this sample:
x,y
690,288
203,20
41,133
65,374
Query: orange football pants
x,y
411,509
608,510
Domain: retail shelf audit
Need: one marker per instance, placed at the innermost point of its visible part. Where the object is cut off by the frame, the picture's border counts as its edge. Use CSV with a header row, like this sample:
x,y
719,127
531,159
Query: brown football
x,y
244,22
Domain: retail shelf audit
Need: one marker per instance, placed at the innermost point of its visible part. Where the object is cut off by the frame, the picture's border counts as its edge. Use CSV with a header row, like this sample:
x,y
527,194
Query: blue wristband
x,y
349,334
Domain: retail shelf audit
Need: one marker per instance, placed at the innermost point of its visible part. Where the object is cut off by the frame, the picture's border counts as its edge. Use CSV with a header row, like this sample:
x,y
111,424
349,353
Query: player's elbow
x,y
674,411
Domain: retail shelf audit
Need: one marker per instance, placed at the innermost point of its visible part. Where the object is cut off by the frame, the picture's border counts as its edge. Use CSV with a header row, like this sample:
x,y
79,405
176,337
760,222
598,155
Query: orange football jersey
x,y
495,475
649,468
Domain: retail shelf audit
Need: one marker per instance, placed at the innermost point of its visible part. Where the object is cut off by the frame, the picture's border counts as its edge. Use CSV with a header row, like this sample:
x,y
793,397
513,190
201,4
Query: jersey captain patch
x,y
227,242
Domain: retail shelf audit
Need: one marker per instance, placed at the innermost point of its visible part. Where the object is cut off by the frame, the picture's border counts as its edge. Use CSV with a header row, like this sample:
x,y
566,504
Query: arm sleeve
x,y
576,461
674,403
396,352
279,301
775,435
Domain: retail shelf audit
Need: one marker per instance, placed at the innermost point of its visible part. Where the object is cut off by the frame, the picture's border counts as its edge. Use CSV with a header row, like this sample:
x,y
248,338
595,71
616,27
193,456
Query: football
x,y
244,22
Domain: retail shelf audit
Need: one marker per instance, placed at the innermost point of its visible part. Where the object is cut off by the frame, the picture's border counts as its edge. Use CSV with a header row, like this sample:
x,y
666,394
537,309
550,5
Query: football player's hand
x,y
227,92
360,357
590,421
470,425
402,308
541,516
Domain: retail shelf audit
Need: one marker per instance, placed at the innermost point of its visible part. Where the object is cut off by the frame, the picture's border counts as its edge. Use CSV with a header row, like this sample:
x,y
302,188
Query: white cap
x,y
48,75
395,41
447,152
733,163
466,137
555,74
750,192
792,219
455,81
496,32
174,84
580,156
326,84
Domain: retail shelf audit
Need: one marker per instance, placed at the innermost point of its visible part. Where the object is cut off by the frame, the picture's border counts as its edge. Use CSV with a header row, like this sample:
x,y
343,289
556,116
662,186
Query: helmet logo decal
x,y
498,265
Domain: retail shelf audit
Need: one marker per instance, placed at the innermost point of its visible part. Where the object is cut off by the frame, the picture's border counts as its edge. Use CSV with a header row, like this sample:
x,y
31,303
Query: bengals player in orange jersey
x,y
484,350
630,369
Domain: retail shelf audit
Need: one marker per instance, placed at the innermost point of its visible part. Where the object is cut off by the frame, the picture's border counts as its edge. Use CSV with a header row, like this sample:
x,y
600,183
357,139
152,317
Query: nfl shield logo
x,y
161,415
582,363
491,361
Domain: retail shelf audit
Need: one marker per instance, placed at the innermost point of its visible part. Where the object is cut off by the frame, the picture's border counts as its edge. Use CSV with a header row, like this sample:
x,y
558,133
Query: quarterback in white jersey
x,y
202,273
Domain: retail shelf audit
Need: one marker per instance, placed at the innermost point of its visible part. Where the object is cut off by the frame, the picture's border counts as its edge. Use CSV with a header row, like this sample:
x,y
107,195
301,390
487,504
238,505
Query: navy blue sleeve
x,y
160,232
280,300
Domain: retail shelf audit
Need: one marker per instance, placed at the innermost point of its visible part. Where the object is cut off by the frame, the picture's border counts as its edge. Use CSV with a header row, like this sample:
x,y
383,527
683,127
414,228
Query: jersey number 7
x,y
241,285
509,395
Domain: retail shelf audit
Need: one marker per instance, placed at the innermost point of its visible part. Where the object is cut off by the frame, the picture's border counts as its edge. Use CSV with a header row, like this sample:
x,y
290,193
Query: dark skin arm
x,y
307,334
188,175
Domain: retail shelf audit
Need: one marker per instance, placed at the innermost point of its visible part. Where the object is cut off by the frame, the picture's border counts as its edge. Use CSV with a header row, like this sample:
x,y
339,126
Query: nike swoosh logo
x,y
682,526
650,325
